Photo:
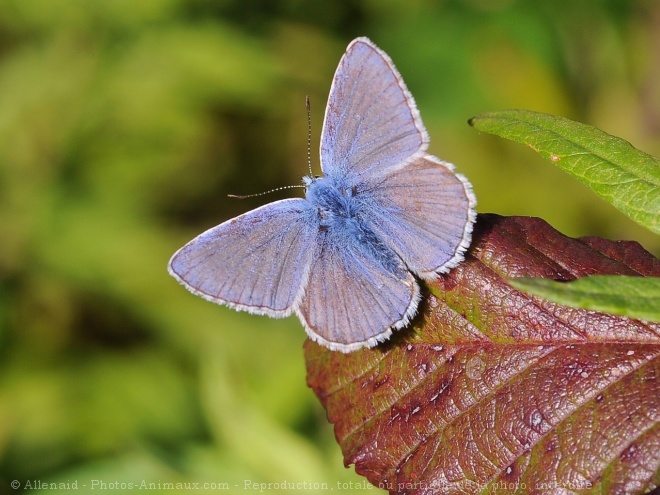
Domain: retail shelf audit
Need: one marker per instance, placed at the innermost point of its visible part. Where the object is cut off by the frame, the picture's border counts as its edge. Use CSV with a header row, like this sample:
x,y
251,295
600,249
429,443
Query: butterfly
x,y
346,259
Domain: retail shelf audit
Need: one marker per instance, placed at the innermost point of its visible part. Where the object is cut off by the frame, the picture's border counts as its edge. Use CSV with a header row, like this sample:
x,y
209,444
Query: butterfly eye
x,y
354,191
323,214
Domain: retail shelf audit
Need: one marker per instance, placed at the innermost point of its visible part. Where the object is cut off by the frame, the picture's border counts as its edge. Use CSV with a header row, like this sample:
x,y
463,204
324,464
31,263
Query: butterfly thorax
x,y
342,214
337,206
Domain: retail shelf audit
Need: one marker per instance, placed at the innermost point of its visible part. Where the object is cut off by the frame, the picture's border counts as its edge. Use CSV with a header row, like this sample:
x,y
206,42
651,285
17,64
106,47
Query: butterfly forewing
x,y
257,262
371,124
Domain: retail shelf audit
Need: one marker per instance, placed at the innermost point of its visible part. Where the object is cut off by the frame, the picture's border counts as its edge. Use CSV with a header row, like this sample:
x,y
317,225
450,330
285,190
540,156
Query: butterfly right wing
x,y
257,262
425,214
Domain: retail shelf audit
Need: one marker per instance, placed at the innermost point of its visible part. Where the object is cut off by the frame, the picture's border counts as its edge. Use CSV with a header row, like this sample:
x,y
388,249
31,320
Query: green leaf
x,y
635,297
622,175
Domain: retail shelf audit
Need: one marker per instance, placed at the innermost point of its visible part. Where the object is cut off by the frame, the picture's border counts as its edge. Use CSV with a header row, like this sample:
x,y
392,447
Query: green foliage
x,y
627,178
635,297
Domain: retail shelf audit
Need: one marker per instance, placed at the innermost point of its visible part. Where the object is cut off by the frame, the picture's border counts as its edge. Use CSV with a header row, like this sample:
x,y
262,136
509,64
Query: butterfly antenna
x,y
309,135
309,159
240,196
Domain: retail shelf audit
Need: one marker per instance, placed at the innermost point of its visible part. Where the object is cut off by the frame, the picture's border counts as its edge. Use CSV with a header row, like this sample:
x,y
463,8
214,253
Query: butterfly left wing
x,y
424,213
257,262
371,124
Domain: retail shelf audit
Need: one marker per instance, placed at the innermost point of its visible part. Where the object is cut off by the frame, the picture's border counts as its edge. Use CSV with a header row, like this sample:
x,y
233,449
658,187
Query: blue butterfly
x,y
344,259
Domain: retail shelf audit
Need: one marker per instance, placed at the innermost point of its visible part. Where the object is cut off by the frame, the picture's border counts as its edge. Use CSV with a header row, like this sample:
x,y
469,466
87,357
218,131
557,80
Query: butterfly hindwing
x,y
352,299
424,213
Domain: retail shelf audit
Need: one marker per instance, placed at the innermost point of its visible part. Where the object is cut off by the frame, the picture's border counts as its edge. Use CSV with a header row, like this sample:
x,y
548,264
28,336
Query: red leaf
x,y
493,390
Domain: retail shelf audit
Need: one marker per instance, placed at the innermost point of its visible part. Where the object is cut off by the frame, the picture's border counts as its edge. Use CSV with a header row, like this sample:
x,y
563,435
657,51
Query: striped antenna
x,y
309,135
244,196
309,159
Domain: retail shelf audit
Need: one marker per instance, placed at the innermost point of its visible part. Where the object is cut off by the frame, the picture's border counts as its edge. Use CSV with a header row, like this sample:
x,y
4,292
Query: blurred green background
x,y
123,126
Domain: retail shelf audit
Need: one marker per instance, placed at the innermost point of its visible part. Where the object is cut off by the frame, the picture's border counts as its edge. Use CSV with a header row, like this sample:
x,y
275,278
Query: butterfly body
x,y
343,220
333,203
345,258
